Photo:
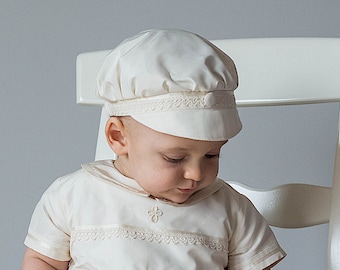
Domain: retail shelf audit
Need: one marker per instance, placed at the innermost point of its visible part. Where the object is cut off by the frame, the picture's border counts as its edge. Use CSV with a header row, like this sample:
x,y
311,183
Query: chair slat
x,y
290,205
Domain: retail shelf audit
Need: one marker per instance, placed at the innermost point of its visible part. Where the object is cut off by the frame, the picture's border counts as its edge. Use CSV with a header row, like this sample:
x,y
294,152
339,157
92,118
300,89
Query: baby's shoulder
x,y
231,198
228,191
76,181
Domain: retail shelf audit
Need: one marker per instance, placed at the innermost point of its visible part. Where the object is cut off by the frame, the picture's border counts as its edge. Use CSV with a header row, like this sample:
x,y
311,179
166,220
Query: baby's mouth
x,y
186,190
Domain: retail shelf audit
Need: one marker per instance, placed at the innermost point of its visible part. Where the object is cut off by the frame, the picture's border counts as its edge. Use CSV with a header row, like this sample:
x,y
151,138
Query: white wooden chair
x,y
263,64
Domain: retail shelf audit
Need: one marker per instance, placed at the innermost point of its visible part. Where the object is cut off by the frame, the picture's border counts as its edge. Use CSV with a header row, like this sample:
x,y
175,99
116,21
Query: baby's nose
x,y
194,172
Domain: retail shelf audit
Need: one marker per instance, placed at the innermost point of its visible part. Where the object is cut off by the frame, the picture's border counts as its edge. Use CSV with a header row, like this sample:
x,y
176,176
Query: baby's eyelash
x,y
179,160
212,156
173,160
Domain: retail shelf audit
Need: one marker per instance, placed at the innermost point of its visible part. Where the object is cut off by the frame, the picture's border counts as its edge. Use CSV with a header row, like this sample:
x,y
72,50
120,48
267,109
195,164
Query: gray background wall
x,y
44,134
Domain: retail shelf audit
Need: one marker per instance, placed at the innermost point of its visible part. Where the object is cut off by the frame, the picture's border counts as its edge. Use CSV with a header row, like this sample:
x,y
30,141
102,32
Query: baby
x,y
159,205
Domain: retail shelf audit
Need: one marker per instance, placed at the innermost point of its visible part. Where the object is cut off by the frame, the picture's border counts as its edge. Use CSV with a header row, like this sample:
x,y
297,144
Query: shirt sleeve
x,y
253,244
48,232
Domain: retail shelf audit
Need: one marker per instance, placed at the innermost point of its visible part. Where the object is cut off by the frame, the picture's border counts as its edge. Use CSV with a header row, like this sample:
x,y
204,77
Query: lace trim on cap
x,y
143,234
172,101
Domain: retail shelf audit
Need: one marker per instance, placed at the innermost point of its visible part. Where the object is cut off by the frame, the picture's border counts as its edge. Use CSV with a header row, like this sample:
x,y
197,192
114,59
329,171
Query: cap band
x,y
172,101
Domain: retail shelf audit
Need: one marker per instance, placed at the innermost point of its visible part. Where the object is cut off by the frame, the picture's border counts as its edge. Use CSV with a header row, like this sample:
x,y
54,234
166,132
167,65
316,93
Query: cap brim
x,y
206,125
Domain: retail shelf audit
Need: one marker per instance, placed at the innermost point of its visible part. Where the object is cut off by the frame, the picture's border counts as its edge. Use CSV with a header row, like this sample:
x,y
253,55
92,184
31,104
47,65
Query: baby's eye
x,y
173,160
209,156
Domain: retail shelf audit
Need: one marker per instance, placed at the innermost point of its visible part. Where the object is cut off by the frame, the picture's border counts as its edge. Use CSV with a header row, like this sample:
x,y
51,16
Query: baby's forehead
x,y
191,147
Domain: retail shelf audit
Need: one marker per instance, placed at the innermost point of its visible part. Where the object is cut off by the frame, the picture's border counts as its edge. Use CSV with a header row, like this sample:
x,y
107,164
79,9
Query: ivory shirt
x,y
96,218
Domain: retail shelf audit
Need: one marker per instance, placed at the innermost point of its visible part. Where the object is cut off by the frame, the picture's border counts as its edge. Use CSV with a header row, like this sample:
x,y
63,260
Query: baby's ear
x,y
115,132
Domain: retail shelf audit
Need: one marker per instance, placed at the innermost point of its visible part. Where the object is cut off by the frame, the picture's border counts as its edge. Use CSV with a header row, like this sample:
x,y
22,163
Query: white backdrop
x,y
44,134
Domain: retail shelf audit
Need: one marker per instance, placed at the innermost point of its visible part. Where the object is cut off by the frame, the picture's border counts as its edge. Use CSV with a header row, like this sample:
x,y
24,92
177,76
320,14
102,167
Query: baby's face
x,y
169,167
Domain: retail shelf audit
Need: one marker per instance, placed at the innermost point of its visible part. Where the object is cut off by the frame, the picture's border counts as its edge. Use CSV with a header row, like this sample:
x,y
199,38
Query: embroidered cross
x,y
155,213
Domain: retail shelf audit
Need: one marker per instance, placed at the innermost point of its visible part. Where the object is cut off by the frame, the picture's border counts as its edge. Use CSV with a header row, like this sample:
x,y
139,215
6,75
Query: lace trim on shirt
x,y
95,233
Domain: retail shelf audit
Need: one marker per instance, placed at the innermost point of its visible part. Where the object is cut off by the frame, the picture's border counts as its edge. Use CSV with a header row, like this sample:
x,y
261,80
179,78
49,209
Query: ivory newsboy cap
x,y
174,82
